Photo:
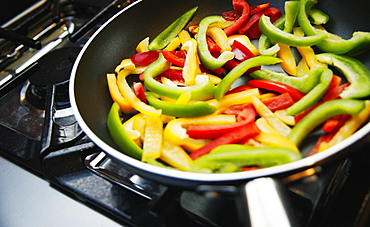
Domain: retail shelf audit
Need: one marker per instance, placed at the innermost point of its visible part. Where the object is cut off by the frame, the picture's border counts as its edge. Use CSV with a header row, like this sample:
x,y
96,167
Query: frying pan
x,y
117,39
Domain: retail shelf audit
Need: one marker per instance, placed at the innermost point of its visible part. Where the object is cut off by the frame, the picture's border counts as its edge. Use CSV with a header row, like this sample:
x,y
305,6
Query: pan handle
x,y
266,202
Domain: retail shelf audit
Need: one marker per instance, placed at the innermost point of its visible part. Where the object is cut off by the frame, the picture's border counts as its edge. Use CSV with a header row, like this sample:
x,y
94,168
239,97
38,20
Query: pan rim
x,y
305,163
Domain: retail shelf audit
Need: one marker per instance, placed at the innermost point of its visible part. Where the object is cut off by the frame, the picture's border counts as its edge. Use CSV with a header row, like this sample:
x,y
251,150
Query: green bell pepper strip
x,y
317,16
119,135
355,72
192,109
165,37
265,44
202,90
358,43
303,84
239,70
205,55
280,36
232,157
314,95
321,113
291,9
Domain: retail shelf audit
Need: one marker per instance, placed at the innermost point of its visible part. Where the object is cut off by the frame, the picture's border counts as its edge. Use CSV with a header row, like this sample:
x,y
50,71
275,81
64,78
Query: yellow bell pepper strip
x,y
235,136
153,137
191,65
270,117
303,84
232,157
175,156
302,68
184,36
265,127
288,64
202,90
205,56
354,71
275,140
307,52
235,98
175,130
191,144
165,37
143,45
290,39
313,96
220,37
239,70
131,98
119,135
351,126
321,113
284,117
243,39
191,109
130,125
116,95
174,44
358,43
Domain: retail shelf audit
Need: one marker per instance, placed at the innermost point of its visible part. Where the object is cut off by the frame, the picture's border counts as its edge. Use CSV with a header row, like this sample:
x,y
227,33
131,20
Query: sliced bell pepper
x,y
257,8
176,57
265,45
241,52
279,102
175,156
239,70
191,65
165,37
291,9
130,96
288,64
119,135
243,7
245,41
192,109
232,157
175,130
139,91
202,90
145,58
303,84
321,113
270,117
275,140
116,96
153,137
313,96
276,86
235,98
358,43
355,72
280,36
204,54
234,136
317,16
143,45
212,45
219,36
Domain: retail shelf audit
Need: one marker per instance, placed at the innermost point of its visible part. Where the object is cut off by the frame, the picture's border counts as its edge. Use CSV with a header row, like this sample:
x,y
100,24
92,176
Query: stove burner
x,y
53,69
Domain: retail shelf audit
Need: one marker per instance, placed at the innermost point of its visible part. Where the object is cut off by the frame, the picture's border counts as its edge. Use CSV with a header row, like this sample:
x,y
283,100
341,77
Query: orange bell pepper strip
x,y
288,64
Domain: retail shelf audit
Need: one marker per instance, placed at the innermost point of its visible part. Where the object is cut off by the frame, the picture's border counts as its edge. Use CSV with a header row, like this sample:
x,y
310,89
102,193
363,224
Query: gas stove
x,y
38,46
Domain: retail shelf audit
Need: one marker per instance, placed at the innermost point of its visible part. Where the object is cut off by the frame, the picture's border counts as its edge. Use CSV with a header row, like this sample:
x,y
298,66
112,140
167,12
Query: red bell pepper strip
x,y
212,46
243,6
247,114
239,89
145,58
241,52
139,91
231,15
279,102
276,86
235,136
251,28
175,57
258,8
215,131
173,74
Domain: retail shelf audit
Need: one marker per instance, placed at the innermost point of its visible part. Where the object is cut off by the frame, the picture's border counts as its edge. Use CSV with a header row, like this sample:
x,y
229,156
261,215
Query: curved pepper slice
x,y
232,157
204,54
358,43
244,8
202,90
130,96
165,37
322,113
193,109
280,36
191,65
239,70
313,96
116,95
265,46
303,84
355,72
119,135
